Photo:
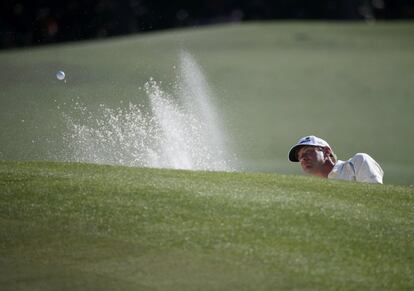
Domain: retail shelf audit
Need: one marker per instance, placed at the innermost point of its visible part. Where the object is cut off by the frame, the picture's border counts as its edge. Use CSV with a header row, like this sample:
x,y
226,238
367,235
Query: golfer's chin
x,y
307,169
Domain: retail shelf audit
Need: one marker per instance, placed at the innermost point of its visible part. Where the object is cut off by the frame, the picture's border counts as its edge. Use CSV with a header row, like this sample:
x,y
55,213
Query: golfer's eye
x,y
303,156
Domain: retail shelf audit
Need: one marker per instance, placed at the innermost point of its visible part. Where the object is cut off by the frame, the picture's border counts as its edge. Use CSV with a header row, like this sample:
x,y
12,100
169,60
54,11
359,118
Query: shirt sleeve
x,y
367,169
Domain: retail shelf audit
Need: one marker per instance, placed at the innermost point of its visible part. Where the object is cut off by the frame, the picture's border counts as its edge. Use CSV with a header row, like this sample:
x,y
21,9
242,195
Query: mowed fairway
x,y
89,227
272,83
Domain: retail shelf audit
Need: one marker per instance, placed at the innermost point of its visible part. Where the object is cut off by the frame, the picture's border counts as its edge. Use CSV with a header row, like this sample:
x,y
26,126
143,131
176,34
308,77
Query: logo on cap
x,y
307,139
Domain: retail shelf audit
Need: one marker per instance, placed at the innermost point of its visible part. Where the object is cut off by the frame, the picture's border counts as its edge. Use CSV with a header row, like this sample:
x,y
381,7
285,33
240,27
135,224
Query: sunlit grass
x,y
274,82
89,227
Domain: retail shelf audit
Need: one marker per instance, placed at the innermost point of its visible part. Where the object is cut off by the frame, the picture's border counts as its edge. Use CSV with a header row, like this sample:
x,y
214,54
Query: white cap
x,y
310,140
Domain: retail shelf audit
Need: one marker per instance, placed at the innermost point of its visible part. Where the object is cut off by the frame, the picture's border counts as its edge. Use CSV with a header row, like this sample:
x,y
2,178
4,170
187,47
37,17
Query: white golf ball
x,y
60,75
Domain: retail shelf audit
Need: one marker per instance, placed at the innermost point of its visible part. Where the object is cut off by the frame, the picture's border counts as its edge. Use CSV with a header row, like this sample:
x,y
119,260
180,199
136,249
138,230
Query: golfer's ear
x,y
327,152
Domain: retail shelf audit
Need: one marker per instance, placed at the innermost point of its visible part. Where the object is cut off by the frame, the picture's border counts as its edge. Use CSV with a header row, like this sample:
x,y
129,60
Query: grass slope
x,y
274,82
89,227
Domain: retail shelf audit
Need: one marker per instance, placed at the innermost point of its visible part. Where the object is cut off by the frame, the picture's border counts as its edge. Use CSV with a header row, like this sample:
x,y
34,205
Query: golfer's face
x,y
311,159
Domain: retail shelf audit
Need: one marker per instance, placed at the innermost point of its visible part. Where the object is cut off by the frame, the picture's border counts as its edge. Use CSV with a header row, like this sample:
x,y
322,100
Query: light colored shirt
x,y
360,168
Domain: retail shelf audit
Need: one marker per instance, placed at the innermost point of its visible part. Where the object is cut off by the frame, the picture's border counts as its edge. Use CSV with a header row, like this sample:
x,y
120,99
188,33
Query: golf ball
x,y
60,75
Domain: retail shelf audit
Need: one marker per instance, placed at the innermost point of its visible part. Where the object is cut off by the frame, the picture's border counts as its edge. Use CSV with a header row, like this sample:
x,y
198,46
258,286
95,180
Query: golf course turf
x,y
272,83
89,227
69,225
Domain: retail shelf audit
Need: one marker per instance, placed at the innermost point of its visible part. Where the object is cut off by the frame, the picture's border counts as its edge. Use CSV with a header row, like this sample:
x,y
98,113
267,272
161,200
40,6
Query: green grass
x,y
350,83
89,227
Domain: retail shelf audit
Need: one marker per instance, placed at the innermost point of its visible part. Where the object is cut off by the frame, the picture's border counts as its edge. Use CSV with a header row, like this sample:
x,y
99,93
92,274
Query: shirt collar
x,y
336,168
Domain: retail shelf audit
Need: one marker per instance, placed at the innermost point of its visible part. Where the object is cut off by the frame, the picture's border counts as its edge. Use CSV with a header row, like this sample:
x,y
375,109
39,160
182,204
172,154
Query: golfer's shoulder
x,y
361,158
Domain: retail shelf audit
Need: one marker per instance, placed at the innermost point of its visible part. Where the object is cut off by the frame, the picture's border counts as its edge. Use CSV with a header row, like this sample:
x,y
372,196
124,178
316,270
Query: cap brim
x,y
293,153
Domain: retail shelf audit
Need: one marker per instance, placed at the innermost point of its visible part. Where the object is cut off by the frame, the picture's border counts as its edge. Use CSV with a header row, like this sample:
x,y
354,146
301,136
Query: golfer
x,y
317,158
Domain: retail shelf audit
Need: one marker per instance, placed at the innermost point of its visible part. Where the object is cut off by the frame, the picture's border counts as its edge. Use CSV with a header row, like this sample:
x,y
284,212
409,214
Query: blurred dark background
x,y
26,23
